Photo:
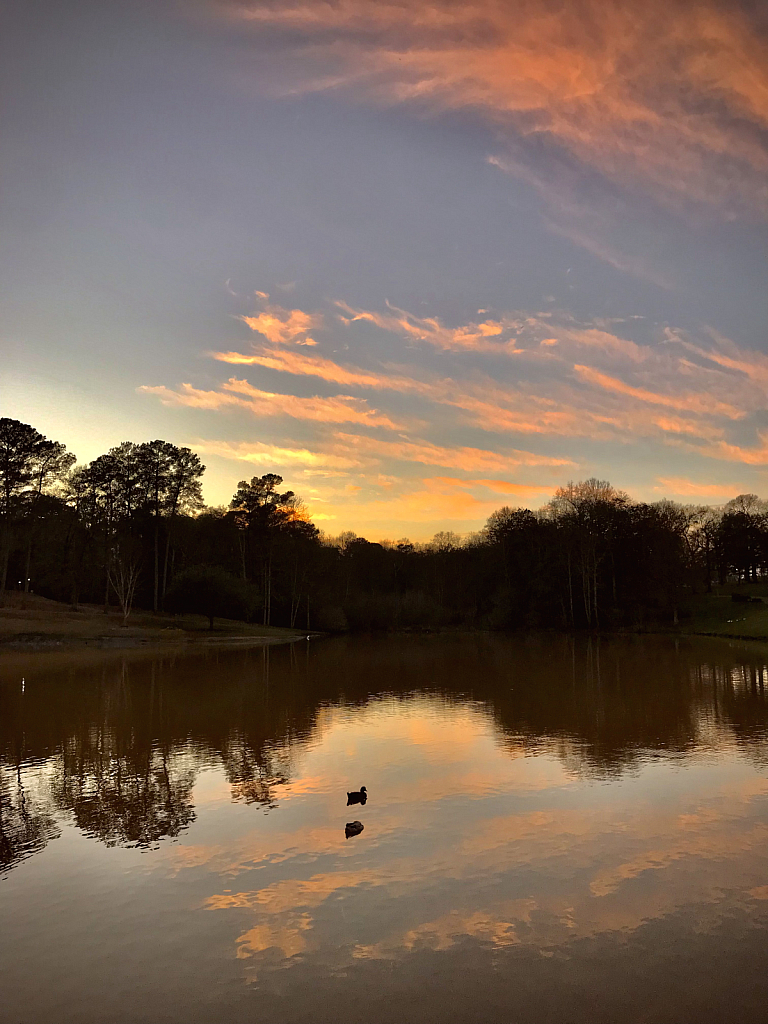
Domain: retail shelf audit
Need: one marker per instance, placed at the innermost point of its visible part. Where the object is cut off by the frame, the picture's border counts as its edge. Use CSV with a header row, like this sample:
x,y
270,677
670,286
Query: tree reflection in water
x,y
26,824
115,744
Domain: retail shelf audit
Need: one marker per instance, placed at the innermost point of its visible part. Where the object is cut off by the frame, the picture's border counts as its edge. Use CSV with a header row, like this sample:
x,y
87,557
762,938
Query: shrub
x,y
211,591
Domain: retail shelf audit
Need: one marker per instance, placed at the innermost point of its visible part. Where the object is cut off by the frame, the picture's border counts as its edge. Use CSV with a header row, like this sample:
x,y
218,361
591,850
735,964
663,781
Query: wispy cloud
x,y
486,404
281,326
474,336
667,96
239,393
571,379
690,403
377,498
509,375
506,487
680,486
750,456
311,366
276,456
426,453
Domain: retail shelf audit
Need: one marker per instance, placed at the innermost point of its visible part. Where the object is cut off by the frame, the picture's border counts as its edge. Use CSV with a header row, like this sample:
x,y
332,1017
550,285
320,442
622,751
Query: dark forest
x,y
130,530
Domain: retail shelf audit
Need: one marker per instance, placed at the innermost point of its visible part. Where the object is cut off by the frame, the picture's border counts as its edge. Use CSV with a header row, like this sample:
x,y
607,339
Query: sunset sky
x,y
421,259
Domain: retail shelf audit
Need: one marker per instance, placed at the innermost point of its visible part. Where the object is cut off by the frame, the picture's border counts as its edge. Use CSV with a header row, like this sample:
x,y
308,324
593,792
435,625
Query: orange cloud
x,y
499,486
471,336
668,96
557,409
491,411
753,365
281,326
657,859
677,425
339,409
692,488
436,455
271,455
571,379
735,453
436,499
290,361
693,403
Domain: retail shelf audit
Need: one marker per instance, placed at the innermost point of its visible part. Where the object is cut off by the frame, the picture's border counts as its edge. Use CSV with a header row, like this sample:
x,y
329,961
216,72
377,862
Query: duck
x,y
358,797
353,828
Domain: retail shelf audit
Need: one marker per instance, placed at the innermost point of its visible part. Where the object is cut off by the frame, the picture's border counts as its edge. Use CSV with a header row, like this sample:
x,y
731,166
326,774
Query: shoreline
x,y
31,623
33,642
179,640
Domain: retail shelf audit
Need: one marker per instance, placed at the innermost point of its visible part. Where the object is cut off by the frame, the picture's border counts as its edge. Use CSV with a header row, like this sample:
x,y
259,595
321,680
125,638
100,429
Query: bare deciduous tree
x,y
124,571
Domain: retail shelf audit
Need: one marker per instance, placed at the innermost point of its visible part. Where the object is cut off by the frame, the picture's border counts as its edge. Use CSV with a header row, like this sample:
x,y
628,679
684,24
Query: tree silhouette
x,y
29,463
211,591
592,558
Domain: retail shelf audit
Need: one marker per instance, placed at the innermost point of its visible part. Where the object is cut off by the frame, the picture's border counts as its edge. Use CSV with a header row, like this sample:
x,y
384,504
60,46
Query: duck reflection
x,y
122,739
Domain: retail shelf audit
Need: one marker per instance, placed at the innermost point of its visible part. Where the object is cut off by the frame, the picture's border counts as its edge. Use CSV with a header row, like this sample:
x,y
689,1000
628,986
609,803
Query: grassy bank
x,y
719,615
37,623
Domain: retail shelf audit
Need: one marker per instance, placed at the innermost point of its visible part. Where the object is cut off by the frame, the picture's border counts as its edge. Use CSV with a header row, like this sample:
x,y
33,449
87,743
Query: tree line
x,y
130,530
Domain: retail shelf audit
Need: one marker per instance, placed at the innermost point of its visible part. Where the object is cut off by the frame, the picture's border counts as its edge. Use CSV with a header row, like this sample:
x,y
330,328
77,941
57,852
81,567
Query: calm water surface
x,y
556,830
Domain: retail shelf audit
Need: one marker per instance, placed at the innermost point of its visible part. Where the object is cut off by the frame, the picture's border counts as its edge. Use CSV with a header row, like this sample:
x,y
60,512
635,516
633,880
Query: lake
x,y
556,829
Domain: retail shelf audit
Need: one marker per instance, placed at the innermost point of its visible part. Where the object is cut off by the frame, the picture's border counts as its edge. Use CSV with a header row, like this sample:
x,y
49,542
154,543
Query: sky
x,y
420,259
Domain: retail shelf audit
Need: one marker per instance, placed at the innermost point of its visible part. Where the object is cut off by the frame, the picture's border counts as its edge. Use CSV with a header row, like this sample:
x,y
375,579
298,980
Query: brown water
x,y
555,831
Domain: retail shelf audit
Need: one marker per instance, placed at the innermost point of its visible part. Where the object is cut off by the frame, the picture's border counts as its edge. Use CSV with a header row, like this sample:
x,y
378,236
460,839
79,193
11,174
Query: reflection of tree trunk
x,y
265,668
156,594
594,589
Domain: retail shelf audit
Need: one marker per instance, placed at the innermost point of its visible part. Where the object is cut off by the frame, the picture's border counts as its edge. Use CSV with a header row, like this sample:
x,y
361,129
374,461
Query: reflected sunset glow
x,y
526,799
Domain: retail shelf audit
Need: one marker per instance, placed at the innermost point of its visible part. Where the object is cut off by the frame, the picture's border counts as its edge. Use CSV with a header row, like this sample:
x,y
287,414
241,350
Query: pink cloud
x,y
664,96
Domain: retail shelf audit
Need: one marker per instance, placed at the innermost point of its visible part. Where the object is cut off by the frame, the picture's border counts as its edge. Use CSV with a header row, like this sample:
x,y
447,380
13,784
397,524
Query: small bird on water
x,y
353,828
358,797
